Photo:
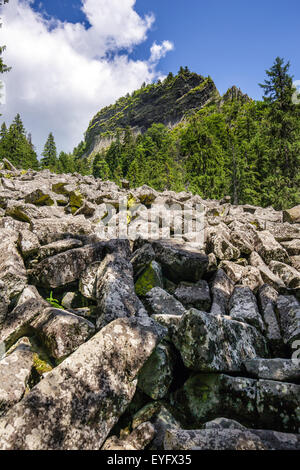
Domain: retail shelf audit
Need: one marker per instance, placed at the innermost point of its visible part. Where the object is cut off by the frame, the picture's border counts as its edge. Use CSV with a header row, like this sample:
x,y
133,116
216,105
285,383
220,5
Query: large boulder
x,y
12,269
283,370
180,262
211,343
15,372
57,247
115,290
18,321
151,277
194,295
67,267
259,403
156,375
77,404
288,311
50,230
268,248
141,258
292,215
267,298
289,275
140,438
222,288
243,307
62,332
229,439
158,301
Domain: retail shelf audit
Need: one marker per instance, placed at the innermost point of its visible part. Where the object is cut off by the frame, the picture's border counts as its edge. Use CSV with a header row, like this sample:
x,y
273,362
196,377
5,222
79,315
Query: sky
x,y
70,58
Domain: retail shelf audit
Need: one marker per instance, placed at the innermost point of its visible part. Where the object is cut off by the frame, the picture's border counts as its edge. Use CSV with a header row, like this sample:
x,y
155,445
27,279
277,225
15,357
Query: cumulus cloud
x,y
158,51
63,73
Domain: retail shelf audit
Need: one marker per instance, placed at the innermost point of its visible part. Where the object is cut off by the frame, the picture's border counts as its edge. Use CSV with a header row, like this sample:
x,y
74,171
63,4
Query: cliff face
x,y
165,102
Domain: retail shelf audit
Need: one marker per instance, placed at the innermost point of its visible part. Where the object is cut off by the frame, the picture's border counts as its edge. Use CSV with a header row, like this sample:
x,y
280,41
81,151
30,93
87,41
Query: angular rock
x,y
258,403
194,295
140,438
180,262
40,197
115,291
12,269
62,332
268,248
158,301
267,298
267,275
163,421
243,307
156,375
212,343
66,267
230,439
285,231
242,241
28,243
80,401
292,215
60,246
288,311
223,249
222,288
21,212
282,370
292,247
289,275
233,270
151,277
18,322
53,229
88,280
251,277
171,322
15,372
141,258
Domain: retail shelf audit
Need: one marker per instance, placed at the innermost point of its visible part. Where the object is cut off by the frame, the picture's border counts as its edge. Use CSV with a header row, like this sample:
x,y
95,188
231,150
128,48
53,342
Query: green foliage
x,y
54,302
235,146
16,146
49,155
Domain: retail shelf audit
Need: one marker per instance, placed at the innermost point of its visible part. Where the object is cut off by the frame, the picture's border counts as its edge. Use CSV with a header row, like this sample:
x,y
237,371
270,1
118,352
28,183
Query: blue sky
x,y
234,41
70,58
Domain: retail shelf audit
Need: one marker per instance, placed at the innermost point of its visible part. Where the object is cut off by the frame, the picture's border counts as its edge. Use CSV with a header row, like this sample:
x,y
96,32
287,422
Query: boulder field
x,y
122,327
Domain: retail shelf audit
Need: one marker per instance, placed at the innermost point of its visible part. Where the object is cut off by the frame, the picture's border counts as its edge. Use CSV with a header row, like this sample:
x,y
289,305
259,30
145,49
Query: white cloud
x,y
158,51
61,73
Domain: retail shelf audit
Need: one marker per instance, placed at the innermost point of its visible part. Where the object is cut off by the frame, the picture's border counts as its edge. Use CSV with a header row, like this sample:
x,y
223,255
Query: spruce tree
x,y
100,168
16,147
49,159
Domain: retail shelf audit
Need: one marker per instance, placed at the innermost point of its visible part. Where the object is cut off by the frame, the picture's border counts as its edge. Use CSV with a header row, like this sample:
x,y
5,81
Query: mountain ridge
x,y
166,102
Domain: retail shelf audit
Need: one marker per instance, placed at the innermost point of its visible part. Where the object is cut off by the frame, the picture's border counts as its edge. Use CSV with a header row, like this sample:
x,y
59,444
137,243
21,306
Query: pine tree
x,y
49,159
